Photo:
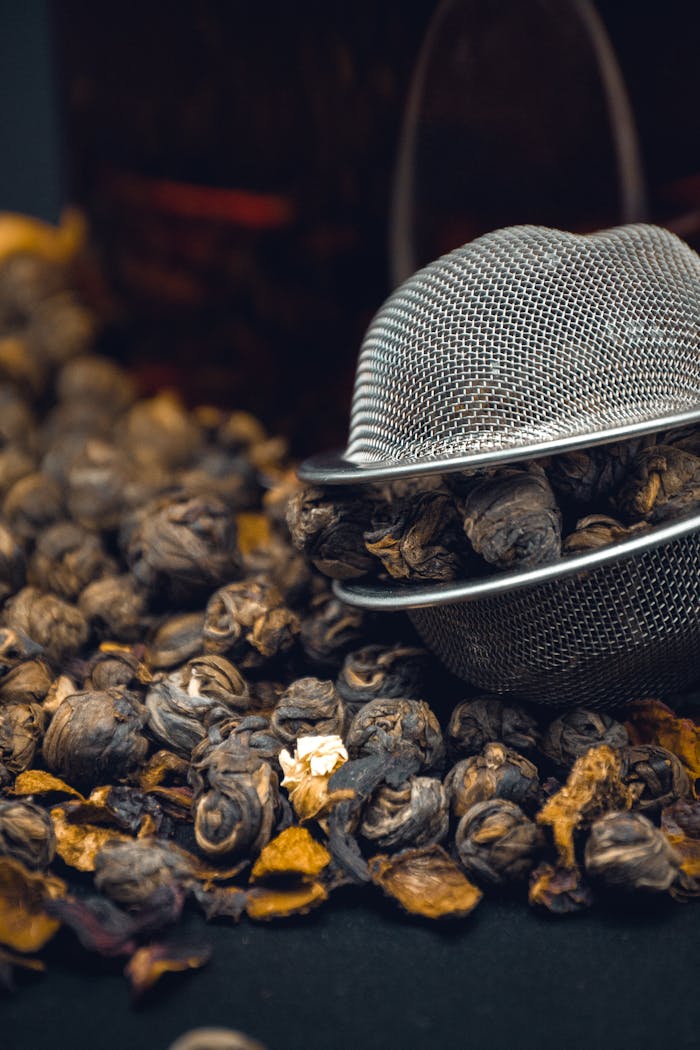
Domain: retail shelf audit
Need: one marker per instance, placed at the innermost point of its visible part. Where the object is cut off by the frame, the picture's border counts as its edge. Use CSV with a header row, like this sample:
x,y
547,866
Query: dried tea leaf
x,y
148,964
560,891
176,801
77,844
272,903
160,767
220,902
593,787
293,852
39,782
25,924
425,882
651,722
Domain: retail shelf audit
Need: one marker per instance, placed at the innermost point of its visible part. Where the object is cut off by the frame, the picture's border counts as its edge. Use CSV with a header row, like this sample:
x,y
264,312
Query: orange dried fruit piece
x,y
293,852
425,882
24,924
272,903
593,787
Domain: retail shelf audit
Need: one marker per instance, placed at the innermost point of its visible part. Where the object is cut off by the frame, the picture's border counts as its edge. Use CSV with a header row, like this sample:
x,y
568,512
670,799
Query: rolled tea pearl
x,y
183,705
248,622
382,670
26,833
115,608
182,546
176,640
415,814
329,629
391,725
97,380
236,803
487,719
308,707
67,558
96,737
328,526
215,1039
32,504
657,777
21,728
511,518
59,627
498,772
497,844
625,851
572,734
13,565
130,872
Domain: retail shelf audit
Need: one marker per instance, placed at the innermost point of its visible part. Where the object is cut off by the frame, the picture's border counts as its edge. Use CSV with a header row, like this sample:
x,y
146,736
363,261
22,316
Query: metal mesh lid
x,y
525,342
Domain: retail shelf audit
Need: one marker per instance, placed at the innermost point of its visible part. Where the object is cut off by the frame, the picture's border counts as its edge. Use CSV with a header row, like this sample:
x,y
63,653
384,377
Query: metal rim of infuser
x,y
526,342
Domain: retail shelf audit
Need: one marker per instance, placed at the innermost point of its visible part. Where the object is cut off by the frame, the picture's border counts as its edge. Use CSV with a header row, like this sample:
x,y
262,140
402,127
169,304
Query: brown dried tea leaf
x,y
425,882
593,787
293,852
175,801
24,923
78,844
148,964
220,902
39,782
271,903
162,766
651,722
560,891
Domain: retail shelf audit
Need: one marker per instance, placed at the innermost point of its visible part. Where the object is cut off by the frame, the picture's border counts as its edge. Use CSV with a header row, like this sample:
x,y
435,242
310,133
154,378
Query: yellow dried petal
x,y
265,903
593,787
21,233
293,852
425,882
253,531
39,782
148,964
651,722
78,844
24,925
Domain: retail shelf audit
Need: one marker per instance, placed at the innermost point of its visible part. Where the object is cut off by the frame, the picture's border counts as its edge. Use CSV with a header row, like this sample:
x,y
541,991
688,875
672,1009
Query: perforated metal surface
x,y
618,633
526,336
524,342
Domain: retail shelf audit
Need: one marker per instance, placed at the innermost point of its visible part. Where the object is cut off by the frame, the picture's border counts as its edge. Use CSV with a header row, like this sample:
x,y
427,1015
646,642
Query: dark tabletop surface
x,y
359,974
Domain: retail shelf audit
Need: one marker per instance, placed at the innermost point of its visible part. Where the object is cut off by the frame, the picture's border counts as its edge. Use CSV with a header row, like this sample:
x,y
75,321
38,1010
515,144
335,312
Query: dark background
x,y
87,90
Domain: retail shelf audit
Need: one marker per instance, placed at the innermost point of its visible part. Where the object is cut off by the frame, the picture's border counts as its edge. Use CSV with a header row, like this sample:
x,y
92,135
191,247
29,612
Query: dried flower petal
x,y
651,722
25,925
293,852
425,882
593,787
39,782
78,844
266,903
148,964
